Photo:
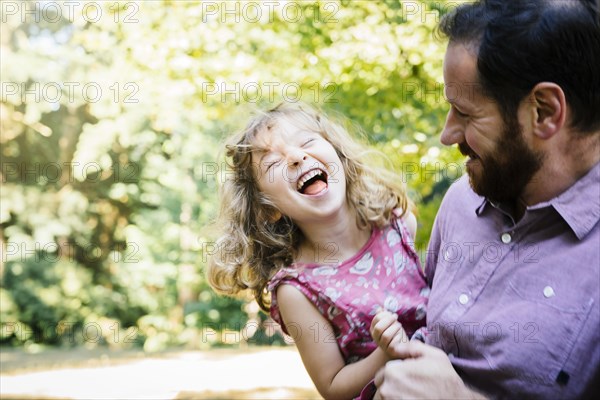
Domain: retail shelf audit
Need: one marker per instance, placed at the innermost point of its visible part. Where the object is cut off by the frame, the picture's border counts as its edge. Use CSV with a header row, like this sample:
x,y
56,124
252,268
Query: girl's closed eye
x,y
307,142
273,163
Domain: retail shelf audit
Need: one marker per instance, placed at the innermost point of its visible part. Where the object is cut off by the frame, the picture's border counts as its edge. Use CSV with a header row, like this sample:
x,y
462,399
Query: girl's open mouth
x,y
312,182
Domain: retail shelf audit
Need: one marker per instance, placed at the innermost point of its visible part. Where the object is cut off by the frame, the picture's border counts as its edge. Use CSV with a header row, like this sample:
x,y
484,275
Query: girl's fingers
x,y
399,337
380,323
391,335
386,330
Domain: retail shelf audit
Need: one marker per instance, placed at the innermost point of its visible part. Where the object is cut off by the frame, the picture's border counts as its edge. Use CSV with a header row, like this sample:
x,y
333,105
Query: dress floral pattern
x,y
385,273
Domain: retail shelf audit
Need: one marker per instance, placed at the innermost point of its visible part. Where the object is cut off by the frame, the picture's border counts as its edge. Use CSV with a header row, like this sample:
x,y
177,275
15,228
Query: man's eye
x,y
460,114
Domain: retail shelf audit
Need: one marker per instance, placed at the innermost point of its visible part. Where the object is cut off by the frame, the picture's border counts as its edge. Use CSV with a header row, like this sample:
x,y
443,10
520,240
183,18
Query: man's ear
x,y
550,109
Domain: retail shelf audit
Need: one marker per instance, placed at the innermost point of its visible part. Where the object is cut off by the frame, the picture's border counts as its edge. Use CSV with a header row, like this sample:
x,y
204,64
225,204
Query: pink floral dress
x,y
385,273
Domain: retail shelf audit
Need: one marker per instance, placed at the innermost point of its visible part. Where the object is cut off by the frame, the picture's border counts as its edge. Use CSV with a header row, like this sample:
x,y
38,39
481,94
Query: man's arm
x,y
422,371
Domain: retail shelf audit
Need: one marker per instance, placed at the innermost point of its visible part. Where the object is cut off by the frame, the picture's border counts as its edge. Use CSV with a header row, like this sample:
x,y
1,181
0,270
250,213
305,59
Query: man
x,y
514,257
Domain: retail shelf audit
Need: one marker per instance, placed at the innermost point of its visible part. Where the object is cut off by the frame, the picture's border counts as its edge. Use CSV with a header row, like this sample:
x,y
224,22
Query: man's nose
x,y
453,132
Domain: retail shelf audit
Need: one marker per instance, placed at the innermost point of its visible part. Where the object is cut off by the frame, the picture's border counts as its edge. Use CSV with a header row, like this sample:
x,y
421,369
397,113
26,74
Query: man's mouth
x,y
467,151
312,182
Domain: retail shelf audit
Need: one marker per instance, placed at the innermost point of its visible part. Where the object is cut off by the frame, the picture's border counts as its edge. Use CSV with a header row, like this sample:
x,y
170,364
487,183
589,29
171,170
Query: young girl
x,y
307,223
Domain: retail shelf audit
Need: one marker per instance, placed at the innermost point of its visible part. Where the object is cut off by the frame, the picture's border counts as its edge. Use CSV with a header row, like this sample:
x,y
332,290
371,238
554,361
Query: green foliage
x,y
111,132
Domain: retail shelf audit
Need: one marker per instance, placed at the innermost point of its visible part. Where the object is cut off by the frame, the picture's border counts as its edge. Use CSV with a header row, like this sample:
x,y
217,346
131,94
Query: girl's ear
x,y
550,107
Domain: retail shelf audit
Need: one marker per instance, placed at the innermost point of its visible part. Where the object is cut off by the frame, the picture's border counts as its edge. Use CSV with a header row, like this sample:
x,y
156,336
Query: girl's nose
x,y
296,157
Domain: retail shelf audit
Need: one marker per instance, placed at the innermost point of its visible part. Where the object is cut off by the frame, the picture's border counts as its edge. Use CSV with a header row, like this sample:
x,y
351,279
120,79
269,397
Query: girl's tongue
x,y
316,187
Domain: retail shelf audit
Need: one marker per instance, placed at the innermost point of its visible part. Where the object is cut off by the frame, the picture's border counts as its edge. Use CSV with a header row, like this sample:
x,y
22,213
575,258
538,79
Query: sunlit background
x,y
112,114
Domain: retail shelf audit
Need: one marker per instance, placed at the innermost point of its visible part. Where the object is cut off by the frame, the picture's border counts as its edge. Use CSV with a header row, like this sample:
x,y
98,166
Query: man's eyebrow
x,y
458,104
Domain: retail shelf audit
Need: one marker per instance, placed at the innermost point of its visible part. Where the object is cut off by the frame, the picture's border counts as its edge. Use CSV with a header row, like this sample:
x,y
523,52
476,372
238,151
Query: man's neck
x,y
561,169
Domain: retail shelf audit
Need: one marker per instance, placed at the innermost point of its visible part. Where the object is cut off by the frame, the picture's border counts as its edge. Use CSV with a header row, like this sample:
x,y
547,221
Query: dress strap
x,y
407,240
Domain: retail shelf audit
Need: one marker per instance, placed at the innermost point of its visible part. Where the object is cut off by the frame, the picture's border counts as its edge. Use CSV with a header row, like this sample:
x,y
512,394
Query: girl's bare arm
x,y
318,348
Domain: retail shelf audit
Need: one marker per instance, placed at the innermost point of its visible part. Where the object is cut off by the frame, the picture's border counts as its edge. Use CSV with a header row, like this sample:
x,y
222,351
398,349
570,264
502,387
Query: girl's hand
x,y
386,331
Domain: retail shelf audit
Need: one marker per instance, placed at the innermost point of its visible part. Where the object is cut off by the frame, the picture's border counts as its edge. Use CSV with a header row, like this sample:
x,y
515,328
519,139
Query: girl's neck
x,y
333,240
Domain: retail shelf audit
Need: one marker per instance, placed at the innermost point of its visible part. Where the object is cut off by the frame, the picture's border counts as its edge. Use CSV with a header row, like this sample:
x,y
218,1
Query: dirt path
x,y
259,373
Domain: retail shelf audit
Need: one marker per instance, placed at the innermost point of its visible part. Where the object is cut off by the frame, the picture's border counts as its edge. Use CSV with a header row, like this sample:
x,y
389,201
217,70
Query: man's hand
x,y
386,331
422,371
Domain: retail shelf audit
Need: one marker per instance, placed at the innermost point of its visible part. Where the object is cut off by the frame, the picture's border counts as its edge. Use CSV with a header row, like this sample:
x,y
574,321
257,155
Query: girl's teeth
x,y
306,177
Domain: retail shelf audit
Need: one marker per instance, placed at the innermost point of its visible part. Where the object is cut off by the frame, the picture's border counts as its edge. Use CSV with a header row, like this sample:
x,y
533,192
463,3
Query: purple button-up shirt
x,y
516,305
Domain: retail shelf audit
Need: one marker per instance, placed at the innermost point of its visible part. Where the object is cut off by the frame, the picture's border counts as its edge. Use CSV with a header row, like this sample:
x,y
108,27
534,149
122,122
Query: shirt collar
x,y
482,206
579,205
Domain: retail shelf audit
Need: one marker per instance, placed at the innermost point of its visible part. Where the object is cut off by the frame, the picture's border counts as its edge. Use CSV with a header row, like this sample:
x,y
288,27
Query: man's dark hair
x,y
520,43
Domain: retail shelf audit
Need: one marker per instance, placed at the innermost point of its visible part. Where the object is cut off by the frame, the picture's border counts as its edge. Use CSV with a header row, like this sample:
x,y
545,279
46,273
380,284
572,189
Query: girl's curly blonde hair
x,y
251,247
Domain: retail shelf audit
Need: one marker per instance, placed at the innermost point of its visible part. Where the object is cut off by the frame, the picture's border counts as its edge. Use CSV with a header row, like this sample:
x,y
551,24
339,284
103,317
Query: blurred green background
x,y
112,114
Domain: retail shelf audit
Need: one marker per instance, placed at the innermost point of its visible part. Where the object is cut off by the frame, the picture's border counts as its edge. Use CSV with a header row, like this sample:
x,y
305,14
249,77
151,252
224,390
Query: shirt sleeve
x,y
452,203
433,250
291,277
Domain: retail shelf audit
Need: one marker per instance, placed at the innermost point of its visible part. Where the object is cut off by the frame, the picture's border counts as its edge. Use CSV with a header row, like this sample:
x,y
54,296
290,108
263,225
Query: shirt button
x,y
448,255
506,238
463,299
548,291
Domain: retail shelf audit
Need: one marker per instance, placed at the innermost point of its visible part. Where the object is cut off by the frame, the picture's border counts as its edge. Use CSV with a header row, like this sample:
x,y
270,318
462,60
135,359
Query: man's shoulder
x,y
461,195
459,205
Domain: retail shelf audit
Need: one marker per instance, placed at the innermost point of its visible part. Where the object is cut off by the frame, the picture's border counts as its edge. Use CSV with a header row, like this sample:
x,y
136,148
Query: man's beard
x,y
505,173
